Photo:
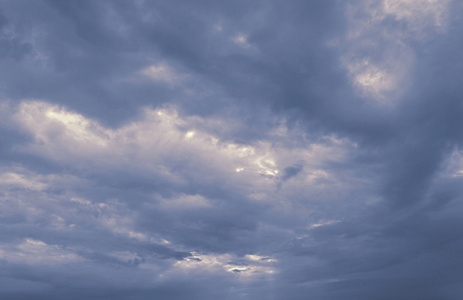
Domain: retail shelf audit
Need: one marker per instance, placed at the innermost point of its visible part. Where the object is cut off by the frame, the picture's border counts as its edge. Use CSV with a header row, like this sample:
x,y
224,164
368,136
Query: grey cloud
x,y
306,148
292,171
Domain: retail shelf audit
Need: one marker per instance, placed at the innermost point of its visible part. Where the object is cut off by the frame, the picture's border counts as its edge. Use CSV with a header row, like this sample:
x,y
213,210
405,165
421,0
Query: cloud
x,y
241,40
162,73
420,15
184,201
159,142
36,252
162,146
380,60
230,150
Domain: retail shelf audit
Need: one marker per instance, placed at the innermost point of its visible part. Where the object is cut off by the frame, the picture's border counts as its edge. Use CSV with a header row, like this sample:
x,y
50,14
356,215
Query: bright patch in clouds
x,y
380,60
181,152
158,134
163,73
9,179
241,40
420,15
36,252
184,201
248,267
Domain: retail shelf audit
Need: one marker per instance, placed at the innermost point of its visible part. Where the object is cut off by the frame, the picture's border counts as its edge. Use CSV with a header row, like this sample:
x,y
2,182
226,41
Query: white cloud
x,y
378,56
384,80
36,252
184,151
184,201
250,267
420,15
241,40
453,165
160,139
66,211
163,73
13,179
180,150
50,124
323,223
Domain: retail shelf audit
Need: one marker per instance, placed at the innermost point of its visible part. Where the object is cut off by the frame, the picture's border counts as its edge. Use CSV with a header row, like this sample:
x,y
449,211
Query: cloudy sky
x,y
231,149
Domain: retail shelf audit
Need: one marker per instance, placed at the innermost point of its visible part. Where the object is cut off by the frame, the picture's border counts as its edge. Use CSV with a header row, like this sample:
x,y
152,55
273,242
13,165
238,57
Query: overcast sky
x,y
264,150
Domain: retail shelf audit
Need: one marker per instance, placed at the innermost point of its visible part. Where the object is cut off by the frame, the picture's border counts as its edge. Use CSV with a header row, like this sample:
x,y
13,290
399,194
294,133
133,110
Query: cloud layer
x,y
230,150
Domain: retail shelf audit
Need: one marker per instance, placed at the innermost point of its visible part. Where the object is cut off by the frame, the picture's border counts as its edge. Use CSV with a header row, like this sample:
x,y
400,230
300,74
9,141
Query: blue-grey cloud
x,y
204,150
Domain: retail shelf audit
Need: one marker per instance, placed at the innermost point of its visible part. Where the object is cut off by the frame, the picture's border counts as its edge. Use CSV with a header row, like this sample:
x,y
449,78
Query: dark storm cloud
x,y
232,150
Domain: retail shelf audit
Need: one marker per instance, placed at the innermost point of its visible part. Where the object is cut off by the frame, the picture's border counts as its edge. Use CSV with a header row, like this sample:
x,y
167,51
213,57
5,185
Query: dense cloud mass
x,y
231,149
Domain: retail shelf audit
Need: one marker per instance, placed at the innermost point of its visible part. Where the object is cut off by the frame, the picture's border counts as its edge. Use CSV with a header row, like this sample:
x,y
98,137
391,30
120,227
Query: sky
x,y
231,149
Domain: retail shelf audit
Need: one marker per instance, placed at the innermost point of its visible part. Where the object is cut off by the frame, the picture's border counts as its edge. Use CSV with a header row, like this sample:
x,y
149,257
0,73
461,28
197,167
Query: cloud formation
x,y
230,150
